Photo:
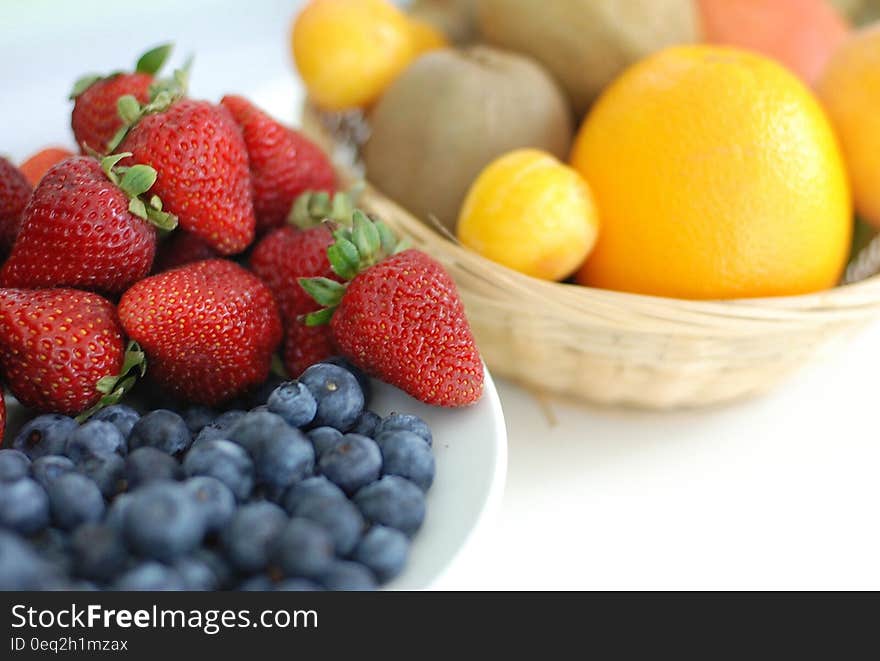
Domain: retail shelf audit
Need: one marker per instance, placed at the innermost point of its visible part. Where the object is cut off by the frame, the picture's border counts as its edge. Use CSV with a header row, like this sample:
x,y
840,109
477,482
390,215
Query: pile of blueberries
x,y
307,490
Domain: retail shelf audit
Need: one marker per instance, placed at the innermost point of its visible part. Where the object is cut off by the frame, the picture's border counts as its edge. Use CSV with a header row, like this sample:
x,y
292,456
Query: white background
x,y
781,492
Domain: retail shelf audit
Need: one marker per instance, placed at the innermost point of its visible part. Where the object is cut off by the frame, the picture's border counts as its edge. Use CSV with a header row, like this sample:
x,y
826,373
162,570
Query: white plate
x,y
470,447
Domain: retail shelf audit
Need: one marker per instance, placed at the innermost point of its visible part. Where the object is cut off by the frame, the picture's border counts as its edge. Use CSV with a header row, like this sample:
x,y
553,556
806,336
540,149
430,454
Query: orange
x,y
800,34
716,175
348,51
36,165
850,90
530,212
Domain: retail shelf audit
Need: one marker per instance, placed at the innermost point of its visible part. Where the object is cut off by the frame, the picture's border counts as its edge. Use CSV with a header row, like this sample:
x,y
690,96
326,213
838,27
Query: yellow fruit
x,y
348,51
850,90
716,175
425,37
531,213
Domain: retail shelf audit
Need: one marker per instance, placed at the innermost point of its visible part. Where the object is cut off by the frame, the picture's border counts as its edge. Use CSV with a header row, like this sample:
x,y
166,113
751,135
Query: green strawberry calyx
x,y
114,388
311,208
356,249
150,63
135,181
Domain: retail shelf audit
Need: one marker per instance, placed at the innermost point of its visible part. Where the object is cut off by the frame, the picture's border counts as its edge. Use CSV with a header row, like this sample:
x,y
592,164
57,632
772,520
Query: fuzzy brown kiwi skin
x,y
450,114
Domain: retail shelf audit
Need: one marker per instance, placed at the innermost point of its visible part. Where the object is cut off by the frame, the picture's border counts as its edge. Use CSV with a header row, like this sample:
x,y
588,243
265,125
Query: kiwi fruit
x,y
587,43
449,115
457,19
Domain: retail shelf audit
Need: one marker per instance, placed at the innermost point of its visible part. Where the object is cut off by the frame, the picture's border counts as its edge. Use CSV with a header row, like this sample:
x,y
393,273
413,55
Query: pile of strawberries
x,y
172,237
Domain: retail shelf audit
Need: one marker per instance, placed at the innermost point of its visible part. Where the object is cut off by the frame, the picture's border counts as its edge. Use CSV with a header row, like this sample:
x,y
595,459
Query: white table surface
x,y
780,492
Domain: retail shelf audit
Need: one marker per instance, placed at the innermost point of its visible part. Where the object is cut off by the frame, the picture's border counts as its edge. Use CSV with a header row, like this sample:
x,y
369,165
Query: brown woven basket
x,y
615,348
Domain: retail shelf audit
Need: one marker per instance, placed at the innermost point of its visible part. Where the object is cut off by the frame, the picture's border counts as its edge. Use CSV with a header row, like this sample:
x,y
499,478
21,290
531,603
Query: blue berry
x,y
353,463
363,380
163,521
406,454
251,430
148,465
14,465
284,460
117,511
21,568
394,502
219,566
225,461
95,438
366,424
260,408
197,574
338,393
74,499
348,576
324,438
324,503
303,549
220,427
24,506
296,585
248,538
53,545
198,417
214,499
383,551
150,576
163,430
45,434
108,473
47,469
98,551
120,415
294,402
258,583
406,422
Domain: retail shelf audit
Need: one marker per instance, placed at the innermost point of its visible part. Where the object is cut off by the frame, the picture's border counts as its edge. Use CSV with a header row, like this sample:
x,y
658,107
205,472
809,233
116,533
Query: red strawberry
x,y
399,318
38,164
209,329
15,192
181,248
283,162
80,229
201,159
56,345
95,119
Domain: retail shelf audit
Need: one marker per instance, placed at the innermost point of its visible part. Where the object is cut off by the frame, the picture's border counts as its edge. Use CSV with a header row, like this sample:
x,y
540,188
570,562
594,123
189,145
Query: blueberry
x,y
406,454
338,393
47,469
312,487
366,424
150,576
303,549
21,568
98,551
198,417
260,408
163,521
45,434
349,576
148,465
214,499
296,585
353,463
258,583
284,460
95,438
53,545
225,461
393,501
161,429
219,566
294,402
24,506
362,379
383,551
406,422
108,473
329,508
324,438
120,415
250,535
251,430
74,499
219,427
14,465
116,513
197,574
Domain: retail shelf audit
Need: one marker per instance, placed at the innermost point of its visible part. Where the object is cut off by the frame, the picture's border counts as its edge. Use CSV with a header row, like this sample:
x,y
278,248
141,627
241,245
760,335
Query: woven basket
x,y
616,348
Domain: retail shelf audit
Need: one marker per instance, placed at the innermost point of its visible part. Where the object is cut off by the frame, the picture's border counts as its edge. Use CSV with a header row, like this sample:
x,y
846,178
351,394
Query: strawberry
x,y
201,159
283,162
399,318
181,248
38,164
86,227
15,192
209,329
95,119
60,349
